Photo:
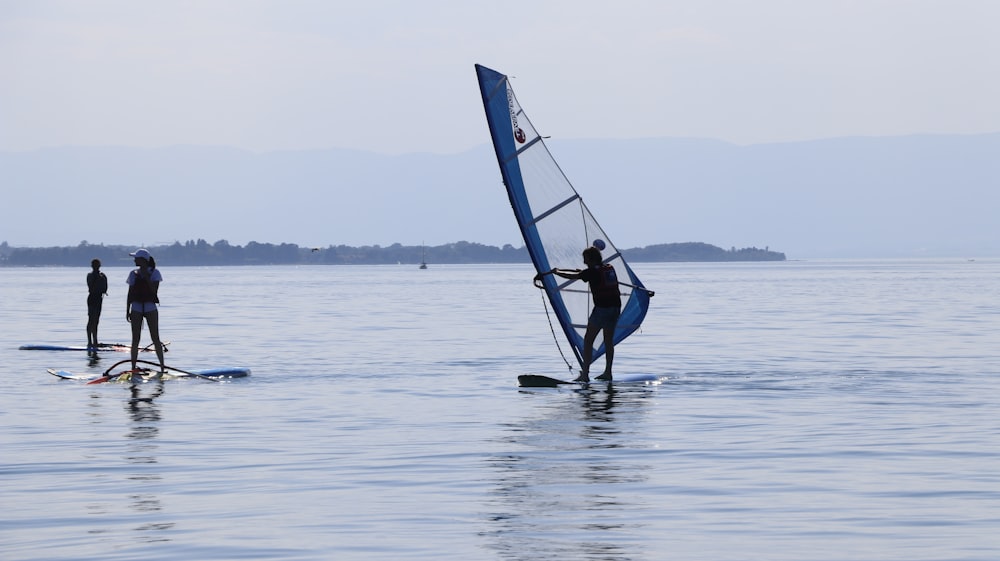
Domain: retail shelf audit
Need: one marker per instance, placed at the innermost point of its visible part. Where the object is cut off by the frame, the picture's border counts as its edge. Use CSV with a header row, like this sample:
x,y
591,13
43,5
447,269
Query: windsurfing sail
x,y
555,223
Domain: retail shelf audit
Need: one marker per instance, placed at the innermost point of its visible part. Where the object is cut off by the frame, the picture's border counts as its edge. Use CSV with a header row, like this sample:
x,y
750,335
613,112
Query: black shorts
x,y
605,317
94,304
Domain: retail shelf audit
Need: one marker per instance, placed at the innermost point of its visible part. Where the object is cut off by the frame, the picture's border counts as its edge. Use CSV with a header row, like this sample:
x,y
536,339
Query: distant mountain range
x,y
926,195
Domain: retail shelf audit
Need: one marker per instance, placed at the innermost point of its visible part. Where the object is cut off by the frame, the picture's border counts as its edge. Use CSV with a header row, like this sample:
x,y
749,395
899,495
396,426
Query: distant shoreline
x,y
201,253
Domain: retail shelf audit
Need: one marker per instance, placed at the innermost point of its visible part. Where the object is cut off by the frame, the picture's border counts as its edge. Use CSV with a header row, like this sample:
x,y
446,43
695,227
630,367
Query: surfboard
x,y
214,374
103,347
540,381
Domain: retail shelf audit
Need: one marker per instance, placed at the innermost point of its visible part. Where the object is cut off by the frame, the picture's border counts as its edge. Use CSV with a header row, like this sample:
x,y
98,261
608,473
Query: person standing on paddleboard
x,y
143,285
97,287
603,281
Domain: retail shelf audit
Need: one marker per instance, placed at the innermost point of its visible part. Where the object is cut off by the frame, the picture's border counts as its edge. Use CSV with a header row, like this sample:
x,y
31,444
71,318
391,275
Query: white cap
x,y
141,254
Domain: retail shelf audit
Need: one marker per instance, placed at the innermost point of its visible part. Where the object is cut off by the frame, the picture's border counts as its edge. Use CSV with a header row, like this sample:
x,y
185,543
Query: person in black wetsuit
x,y
97,288
603,281
143,286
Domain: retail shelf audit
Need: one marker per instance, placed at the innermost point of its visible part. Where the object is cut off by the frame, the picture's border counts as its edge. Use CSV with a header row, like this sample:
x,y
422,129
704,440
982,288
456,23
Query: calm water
x,y
807,411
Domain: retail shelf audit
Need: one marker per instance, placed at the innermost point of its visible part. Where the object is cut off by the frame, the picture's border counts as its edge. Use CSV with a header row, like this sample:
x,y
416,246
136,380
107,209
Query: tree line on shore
x,y
202,253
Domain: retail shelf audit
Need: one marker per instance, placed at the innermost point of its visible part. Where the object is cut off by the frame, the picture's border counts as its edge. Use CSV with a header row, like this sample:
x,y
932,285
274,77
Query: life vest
x,y
141,290
97,283
604,286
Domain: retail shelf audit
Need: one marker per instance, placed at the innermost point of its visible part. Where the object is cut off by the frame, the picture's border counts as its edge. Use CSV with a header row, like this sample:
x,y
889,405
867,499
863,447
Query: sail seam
x,y
556,208
517,153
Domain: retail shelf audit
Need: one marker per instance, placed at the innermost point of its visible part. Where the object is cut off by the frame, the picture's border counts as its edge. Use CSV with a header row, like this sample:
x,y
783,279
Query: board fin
x,y
539,381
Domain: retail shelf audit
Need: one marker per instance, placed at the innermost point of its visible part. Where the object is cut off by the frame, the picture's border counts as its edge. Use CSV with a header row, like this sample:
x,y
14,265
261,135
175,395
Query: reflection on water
x,y
572,487
145,416
142,451
599,414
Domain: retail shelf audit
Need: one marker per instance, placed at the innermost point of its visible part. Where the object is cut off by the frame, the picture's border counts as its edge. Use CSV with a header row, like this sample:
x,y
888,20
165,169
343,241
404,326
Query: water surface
x,y
805,411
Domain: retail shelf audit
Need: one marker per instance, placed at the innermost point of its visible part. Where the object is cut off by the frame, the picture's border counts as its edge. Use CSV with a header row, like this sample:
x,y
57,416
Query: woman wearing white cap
x,y
143,284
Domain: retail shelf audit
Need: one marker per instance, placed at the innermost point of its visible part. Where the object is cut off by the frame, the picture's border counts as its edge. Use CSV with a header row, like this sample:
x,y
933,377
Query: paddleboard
x,y
539,381
148,374
103,347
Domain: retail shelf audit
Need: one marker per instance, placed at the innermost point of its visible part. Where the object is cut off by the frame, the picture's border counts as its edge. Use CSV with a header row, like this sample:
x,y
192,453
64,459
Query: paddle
x,y
152,346
147,348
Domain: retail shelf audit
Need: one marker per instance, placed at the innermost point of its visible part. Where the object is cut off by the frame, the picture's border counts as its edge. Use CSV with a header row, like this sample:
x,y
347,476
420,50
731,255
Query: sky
x,y
397,76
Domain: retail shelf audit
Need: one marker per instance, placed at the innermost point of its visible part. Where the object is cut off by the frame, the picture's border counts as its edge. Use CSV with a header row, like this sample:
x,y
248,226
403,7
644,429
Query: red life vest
x,y
141,290
603,283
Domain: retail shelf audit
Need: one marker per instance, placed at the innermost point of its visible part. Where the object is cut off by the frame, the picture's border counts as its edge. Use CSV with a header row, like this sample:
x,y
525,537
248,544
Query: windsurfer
x,y
603,283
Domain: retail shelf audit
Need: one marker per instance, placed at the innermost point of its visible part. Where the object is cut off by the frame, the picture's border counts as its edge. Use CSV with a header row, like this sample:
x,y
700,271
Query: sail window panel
x,y
590,230
563,240
549,186
563,248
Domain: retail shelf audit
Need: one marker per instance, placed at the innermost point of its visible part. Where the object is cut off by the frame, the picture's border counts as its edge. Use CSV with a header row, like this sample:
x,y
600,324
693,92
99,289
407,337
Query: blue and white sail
x,y
554,221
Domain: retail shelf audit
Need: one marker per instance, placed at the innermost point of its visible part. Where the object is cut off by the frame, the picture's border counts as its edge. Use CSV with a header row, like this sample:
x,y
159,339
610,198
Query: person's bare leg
x,y
588,352
609,353
153,318
136,334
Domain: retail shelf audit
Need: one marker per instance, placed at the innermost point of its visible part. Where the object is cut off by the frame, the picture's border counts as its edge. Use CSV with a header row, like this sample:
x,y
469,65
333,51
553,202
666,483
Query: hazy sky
x,y
397,76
